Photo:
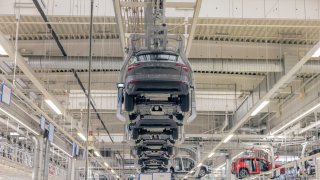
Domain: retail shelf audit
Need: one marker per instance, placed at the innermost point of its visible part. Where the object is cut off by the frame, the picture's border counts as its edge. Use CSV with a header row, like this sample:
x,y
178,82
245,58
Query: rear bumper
x,y
156,123
134,87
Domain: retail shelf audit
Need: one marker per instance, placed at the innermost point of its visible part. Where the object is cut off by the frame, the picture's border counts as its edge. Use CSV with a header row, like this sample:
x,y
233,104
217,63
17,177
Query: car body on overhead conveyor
x,y
157,82
156,86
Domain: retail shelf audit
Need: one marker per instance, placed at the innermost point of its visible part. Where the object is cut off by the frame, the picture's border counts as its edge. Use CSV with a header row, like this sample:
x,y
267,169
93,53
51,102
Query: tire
x,y
139,151
175,133
179,117
135,134
129,102
243,173
170,151
309,170
202,172
165,162
172,170
184,103
132,116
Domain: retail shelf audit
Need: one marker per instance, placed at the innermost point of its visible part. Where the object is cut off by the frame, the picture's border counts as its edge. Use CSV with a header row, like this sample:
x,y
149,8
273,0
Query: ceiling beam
x,y
179,5
196,13
118,15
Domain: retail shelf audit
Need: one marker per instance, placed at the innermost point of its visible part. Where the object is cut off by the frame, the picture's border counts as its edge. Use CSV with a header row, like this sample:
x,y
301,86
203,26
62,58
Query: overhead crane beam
x,y
118,16
196,13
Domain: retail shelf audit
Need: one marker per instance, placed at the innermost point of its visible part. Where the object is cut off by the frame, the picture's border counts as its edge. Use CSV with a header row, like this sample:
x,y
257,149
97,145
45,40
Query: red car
x,y
243,167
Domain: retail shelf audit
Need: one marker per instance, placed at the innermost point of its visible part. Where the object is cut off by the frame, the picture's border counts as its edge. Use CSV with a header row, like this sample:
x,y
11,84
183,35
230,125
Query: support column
x,y
71,168
228,168
38,157
46,160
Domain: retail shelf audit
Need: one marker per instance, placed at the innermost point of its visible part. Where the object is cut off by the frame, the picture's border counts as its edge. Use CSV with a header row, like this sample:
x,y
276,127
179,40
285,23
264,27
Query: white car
x,y
182,165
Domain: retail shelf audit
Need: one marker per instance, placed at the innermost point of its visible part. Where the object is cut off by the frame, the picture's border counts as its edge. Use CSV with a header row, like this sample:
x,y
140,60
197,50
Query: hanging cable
x,y
89,89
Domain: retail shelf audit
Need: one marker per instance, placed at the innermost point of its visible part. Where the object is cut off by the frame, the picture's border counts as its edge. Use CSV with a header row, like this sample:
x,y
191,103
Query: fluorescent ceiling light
x,y
211,154
53,106
20,122
97,153
14,134
117,177
296,119
56,146
3,52
82,136
259,108
200,164
112,171
317,53
309,127
106,164
228,138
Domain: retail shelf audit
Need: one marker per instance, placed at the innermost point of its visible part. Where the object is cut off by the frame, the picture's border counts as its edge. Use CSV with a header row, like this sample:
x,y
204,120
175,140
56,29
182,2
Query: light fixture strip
x,y
82,136
53,106
228,138
317,53
259,108
211,154
3,52
97,153
296,119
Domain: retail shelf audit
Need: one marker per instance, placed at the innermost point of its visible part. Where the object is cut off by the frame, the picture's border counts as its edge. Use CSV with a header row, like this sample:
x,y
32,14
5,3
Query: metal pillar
x,y
228,168
38,157
71,169
46,160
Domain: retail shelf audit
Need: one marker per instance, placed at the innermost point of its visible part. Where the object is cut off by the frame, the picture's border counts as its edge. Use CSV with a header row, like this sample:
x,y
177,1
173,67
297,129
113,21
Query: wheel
x,y
175,133
165,162
139,151
129,102
179,117
172,170
135,133
140,162
170,151
132,116
243,173
202,172
309,170
184,103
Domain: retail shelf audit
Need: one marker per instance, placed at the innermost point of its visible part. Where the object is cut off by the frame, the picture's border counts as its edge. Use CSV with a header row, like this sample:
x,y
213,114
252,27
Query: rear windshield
x,y
154,57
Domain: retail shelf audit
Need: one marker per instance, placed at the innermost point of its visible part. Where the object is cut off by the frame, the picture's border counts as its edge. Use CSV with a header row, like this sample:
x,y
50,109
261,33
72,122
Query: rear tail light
x,y
183,67
132,66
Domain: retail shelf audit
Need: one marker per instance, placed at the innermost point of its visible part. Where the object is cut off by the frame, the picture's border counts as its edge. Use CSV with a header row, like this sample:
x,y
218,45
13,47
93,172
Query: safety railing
x,y
16,154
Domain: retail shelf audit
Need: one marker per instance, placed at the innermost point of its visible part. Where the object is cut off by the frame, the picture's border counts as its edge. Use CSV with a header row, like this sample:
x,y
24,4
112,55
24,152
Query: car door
x,y
263,165
251,165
